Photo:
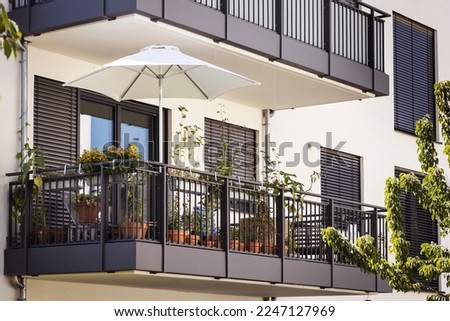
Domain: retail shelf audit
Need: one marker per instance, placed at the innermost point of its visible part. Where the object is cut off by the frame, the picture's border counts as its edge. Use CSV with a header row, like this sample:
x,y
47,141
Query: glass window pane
x,y
96,125
135,129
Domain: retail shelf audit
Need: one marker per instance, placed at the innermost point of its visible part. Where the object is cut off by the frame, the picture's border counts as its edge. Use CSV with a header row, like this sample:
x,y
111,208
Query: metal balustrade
x,y
163,204
352,30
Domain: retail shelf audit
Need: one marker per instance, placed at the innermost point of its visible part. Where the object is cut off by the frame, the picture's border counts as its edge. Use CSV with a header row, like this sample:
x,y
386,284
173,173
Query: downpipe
x,y
20,283
24,97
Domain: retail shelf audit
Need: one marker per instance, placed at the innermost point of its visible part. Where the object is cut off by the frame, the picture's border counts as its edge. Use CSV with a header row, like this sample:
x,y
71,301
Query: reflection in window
x,y
96,125
135,129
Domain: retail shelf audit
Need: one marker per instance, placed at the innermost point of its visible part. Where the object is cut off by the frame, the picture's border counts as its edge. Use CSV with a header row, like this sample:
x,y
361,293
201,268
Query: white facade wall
x,y
10,145
366,127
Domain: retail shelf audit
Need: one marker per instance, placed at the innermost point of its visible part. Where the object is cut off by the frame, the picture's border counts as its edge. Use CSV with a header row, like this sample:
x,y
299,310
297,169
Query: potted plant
x,y
133,224
176,226
122,159
235,239
91,160
87,208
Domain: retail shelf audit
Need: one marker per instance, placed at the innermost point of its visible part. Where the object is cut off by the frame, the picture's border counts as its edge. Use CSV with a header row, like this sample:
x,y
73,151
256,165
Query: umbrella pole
x,y
161,140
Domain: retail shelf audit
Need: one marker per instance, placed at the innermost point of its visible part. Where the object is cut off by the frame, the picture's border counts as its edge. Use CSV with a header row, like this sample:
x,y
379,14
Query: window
x,y
341,175
418,225
103,122
241,151
414,73
67,120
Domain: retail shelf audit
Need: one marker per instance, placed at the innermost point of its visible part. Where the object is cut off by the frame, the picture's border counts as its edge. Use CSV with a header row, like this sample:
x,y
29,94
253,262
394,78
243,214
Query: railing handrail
x,y
242,182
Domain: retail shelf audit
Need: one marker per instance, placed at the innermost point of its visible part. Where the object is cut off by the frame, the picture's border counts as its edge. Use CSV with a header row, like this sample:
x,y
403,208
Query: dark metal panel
x,y
380,83
307,273
15,262
64,259
190,260
149,256
20,16
133,255
48,15
351,277
194,16
383,286
350,72
152,8
255,267
253,37
304,56
120,256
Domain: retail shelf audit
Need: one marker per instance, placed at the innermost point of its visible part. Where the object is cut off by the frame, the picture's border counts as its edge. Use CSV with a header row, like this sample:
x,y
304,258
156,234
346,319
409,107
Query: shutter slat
x,y
55,121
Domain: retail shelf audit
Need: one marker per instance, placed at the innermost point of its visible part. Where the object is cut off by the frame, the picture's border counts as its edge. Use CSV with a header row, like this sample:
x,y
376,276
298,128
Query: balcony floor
x,y
184,283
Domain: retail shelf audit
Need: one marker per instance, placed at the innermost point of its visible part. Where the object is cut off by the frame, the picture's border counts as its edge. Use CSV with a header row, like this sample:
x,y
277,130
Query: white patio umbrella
x,y
146,73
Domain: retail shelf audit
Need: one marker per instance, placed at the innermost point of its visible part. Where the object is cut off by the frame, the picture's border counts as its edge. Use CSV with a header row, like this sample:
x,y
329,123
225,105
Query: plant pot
x,y
39,234
237,245
176,236
133,230
87,214
60,234
253,246
268,248
192,239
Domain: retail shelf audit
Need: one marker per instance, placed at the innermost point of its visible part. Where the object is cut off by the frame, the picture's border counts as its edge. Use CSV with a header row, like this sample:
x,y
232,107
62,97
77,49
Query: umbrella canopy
x,y
156,68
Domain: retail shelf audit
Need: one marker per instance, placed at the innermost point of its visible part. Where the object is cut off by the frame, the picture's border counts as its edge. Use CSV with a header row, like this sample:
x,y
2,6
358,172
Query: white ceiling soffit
x,y
282,86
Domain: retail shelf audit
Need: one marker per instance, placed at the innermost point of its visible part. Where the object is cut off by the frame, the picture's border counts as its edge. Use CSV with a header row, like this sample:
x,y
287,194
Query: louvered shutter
x,y
341,175
414,73
418,225
241,147
55,121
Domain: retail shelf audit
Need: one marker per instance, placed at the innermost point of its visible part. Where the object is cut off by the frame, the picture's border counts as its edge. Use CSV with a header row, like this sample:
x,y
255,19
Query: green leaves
x,y
10,36
433,194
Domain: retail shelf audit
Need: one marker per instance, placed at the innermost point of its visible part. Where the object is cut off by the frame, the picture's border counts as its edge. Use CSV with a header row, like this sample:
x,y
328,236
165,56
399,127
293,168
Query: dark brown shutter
x,y
55,121
414,73
241,147
418,225
341,175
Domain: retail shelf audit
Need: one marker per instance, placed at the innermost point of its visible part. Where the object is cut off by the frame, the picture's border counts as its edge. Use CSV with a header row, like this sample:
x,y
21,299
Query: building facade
x,y
336,73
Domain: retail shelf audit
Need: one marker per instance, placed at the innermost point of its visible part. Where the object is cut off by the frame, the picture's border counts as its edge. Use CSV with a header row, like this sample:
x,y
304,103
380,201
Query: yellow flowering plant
x,y
91,159
122,158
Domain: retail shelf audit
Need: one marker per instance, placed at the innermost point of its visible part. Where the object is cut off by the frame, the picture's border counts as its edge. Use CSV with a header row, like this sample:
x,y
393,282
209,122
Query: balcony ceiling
x,y
282,87
172,282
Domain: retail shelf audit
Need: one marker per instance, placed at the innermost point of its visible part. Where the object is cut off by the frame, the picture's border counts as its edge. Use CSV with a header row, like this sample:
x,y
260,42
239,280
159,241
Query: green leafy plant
x,y
188,139
9,34
432,193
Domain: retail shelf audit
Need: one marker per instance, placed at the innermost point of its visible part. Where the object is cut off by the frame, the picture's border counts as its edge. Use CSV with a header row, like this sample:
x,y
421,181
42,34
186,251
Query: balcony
x,y
169,221
328,38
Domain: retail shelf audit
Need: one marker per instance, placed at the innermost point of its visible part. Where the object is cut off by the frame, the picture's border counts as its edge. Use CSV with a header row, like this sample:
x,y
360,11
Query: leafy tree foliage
x,y
433,194
10,35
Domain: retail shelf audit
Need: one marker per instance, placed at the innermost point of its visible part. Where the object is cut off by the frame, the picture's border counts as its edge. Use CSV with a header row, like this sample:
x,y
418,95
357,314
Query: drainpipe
x,y
24,97
267,114
20,283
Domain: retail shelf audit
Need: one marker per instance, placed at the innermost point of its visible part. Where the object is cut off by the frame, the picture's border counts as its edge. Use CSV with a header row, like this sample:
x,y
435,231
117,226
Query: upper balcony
x,y
322,39
145,223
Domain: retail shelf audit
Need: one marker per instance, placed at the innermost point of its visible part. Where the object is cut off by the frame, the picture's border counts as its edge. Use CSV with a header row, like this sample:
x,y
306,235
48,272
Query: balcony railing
x,y
355,32
167,205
